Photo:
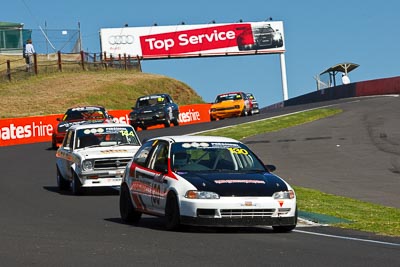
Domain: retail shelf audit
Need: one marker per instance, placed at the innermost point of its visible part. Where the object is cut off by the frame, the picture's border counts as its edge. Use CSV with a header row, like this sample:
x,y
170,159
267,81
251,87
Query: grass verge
x,y
364,216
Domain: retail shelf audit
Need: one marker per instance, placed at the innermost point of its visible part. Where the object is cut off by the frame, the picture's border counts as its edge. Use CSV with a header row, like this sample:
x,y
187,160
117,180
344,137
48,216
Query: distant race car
x,y
95,155
153,110
254,104
227,105
78,115
205,180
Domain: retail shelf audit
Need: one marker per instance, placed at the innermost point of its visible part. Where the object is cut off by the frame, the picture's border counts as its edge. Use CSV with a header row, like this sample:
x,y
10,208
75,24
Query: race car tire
x,y
53,143
175,122
167,122
61,182
126,209
76,185
244,113
144,128
212,118
172,214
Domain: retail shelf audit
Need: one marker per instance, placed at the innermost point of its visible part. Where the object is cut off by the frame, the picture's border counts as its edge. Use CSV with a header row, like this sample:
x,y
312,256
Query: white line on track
x,y
349,238
356,100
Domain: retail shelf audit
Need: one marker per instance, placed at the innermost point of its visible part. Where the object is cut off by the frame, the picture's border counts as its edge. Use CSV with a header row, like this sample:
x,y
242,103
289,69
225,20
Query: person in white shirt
x,y
29,51
345,79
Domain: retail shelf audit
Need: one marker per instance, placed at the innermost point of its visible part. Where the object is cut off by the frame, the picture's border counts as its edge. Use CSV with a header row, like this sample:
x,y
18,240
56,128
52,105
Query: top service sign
x,y
194,40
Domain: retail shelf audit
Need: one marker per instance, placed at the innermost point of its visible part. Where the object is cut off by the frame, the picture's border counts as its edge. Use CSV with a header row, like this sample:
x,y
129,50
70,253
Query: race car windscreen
x,y
106,136
150,101
77,115
226,97
210,156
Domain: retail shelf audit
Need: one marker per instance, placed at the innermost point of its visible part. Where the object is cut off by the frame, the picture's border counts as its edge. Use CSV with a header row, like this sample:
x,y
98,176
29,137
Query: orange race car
x,y
229,105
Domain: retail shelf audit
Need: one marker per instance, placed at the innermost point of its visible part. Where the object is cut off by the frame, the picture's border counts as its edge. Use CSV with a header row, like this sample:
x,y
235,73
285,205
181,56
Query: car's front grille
x,y
147,114
223,109
112,163
240,213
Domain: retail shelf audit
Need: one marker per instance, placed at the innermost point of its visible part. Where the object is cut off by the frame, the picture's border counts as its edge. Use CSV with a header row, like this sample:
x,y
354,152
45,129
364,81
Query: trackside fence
x,y
16,68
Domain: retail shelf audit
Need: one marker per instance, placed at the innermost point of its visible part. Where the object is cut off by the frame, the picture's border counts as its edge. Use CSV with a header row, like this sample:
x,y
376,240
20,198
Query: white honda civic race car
x,y
205,181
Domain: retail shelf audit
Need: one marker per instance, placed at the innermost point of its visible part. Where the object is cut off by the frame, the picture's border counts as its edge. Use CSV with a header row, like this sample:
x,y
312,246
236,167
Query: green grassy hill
x,y
114,89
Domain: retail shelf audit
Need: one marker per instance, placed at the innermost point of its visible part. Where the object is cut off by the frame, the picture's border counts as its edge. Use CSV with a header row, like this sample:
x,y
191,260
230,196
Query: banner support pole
x,y
284,78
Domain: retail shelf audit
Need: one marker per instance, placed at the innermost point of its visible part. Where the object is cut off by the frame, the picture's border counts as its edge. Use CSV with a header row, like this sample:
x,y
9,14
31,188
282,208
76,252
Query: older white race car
x,y
205,180
95,155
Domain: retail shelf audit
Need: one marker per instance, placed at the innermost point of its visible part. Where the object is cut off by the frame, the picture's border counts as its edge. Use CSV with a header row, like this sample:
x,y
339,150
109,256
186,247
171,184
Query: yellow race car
x,y
234,104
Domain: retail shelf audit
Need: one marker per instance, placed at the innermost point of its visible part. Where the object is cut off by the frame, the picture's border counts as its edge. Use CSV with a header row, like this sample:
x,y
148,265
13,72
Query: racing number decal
x,y
156,189
240,151
155,194
127,133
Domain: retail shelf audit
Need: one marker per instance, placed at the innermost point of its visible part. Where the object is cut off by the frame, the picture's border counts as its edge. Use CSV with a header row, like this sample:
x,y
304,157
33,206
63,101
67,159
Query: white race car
x,y
95,155
205,180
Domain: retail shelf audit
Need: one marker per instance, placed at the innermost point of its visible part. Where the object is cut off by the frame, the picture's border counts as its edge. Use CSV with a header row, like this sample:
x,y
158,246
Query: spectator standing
x,y
345,79
28,52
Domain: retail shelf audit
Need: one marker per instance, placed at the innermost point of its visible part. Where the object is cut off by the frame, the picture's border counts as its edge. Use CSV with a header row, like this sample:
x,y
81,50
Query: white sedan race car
x,y
207,181
95,155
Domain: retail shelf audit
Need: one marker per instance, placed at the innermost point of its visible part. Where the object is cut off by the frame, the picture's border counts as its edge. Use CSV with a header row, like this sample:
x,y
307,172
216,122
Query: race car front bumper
x,y
240,222
238,211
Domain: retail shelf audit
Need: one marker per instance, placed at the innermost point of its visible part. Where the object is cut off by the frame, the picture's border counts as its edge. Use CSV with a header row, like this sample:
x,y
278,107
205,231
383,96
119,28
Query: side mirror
x,y
270,168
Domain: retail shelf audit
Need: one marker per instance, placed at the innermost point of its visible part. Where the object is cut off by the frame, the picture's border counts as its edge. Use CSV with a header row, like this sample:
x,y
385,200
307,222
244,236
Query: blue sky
x,y
318,34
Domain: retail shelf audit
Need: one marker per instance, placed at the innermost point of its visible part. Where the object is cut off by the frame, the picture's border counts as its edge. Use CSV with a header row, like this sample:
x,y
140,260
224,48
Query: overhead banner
x,y
157,42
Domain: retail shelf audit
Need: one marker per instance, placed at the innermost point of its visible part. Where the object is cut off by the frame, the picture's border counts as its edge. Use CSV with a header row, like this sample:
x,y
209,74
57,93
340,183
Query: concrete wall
x,y
365,88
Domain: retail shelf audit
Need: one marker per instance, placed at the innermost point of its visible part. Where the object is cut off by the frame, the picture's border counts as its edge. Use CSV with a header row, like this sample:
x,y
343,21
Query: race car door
x,y
65,157
155,201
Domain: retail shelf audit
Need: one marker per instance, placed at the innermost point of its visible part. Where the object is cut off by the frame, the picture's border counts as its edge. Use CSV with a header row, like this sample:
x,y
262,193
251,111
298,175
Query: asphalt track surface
x,y
355,154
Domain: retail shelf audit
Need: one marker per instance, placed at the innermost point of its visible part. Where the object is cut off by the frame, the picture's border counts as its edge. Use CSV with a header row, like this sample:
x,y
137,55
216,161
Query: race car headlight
x,y
194,194
284,195
87,165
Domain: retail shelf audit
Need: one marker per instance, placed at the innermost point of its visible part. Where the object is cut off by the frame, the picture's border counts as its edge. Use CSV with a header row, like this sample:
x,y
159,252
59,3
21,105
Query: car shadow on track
x,y
87,192
155,223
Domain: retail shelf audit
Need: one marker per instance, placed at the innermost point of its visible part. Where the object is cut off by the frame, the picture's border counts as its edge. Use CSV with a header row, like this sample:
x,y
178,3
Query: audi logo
x,y
120,39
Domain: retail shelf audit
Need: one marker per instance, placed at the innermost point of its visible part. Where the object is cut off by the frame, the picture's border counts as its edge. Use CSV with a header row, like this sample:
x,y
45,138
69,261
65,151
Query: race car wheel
x,y
53,143
76,185
175,122
172,215
144,128
212,118
167,122
61,182
126,208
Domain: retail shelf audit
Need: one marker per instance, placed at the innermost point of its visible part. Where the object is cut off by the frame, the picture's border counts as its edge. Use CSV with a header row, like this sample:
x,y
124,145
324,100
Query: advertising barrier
x,y
16,131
